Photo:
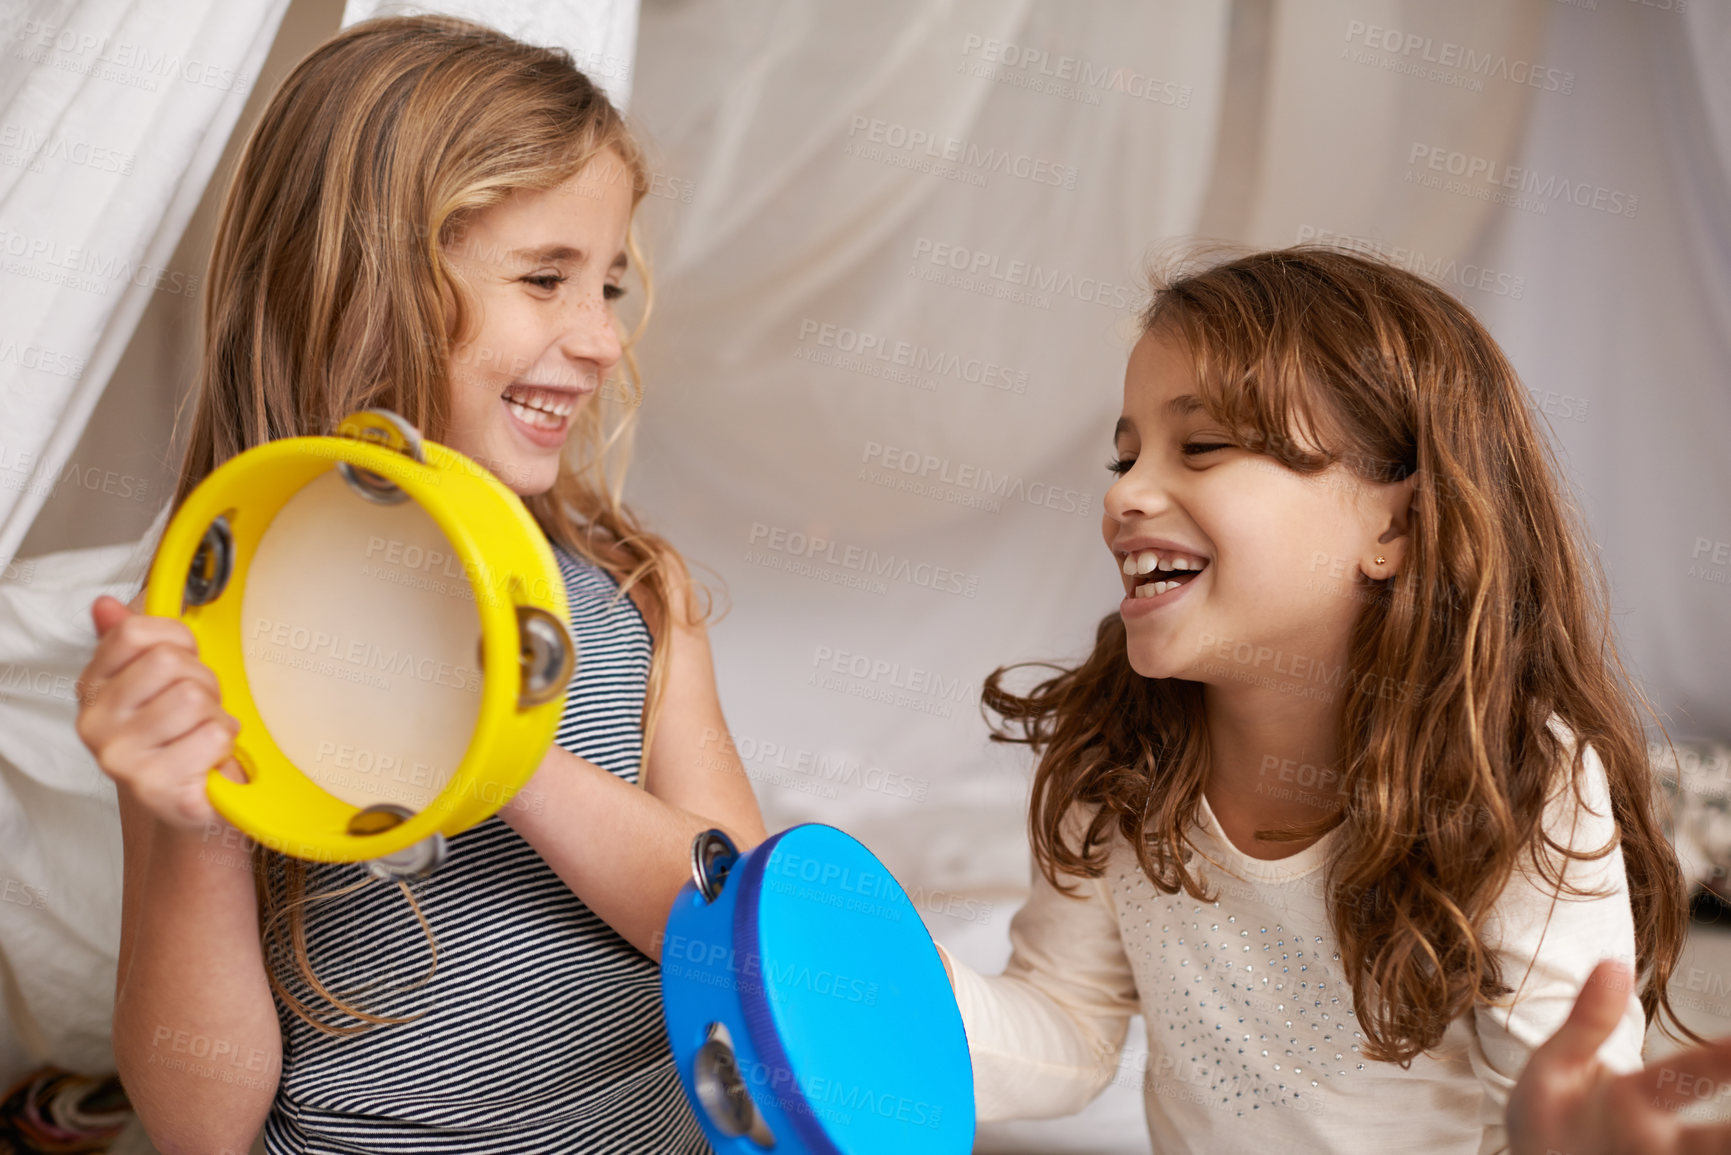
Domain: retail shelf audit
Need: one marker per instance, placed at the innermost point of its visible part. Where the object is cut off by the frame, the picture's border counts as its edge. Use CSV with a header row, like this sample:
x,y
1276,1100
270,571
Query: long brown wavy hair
x,y
1498,615
327,293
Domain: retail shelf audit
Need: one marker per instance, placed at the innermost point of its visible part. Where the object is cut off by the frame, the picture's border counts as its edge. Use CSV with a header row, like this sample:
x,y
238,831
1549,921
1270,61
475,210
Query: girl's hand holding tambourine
x,y
150,710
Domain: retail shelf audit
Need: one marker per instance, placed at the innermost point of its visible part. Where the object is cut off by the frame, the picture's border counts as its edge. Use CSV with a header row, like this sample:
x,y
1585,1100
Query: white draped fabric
x,y
897,253
115,114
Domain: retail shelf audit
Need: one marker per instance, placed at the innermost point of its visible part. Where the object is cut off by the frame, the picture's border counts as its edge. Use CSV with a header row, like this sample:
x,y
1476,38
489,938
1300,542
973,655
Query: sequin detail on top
x,y
1258,1016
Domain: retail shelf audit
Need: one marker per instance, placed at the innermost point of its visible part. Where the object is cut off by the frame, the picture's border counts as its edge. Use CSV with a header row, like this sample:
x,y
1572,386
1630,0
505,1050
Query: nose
x,y
1136,494
592,338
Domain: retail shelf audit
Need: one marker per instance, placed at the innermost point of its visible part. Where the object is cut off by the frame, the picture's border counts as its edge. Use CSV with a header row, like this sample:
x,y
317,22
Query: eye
x,y
612,292
1120,465
546,280
1192,448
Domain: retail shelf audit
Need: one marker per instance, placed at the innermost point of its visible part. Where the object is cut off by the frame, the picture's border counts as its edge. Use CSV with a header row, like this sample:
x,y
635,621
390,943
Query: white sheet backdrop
x,y
826,282
779,247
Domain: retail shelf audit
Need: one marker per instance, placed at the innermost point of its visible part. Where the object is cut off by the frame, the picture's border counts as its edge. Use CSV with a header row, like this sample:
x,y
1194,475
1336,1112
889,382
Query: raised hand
x,y
1566,1103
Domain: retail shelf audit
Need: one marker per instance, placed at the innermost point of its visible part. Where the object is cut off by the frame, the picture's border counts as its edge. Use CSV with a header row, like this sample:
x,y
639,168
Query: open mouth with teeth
x,y
1155,571
540,408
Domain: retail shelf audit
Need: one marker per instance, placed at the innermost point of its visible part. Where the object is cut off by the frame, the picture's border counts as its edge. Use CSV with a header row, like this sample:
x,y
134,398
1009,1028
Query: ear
x,y
1388,507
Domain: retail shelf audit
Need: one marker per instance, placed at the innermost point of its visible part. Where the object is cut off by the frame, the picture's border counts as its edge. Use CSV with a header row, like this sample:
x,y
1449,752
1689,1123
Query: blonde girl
x,y
433,218
1350,795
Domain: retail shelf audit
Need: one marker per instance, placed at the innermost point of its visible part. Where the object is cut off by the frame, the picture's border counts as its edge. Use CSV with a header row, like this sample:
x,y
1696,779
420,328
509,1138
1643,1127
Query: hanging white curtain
x,y
114,116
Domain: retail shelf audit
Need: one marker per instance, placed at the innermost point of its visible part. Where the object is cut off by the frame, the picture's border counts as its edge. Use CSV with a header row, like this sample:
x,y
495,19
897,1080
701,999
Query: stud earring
x,y
1378,559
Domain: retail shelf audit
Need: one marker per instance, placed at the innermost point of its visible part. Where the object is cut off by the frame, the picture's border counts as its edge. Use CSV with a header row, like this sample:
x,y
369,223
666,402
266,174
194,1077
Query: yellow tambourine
x,y
389,626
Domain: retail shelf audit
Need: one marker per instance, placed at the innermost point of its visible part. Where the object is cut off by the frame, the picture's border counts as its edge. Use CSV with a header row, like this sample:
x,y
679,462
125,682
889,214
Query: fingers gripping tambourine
x,y
387,623
807,1008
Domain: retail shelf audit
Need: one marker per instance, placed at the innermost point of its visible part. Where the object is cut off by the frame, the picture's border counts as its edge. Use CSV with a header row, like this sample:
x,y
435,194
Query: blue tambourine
x,y
807,1007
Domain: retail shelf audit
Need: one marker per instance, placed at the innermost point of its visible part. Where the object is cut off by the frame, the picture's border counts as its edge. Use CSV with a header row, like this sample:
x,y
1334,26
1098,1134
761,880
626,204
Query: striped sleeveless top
x,y
542,1027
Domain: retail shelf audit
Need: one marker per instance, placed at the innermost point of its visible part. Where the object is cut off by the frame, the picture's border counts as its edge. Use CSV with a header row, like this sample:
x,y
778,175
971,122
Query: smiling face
x,y
1279,558
543,268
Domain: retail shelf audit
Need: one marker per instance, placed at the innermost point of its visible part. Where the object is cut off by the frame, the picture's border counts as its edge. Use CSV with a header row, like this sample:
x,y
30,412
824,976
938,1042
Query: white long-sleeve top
x,y
1252,1042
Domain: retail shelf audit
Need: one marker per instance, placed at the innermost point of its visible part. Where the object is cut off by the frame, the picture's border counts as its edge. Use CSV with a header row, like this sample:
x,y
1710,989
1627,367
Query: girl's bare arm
x,y
196,1037
622,850
626,850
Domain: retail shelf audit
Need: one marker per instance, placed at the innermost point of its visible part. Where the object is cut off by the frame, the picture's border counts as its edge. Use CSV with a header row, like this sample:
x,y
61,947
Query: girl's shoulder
x,y
1079,818
589,582
583,568
1578,812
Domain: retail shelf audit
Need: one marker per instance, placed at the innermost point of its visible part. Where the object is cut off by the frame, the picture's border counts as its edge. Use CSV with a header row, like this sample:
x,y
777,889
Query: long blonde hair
x,y
327,293
1500,616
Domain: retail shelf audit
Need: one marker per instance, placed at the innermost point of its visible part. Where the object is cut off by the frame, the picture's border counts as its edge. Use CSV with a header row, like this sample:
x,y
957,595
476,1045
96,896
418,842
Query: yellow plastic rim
x,y
514,578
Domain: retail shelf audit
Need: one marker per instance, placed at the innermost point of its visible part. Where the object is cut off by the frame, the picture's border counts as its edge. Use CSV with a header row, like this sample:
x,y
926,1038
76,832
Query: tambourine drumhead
x,y
390,627
362,645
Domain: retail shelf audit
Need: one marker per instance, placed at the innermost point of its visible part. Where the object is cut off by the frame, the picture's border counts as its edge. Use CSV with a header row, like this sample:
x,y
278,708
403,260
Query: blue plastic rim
x,y
841,1022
